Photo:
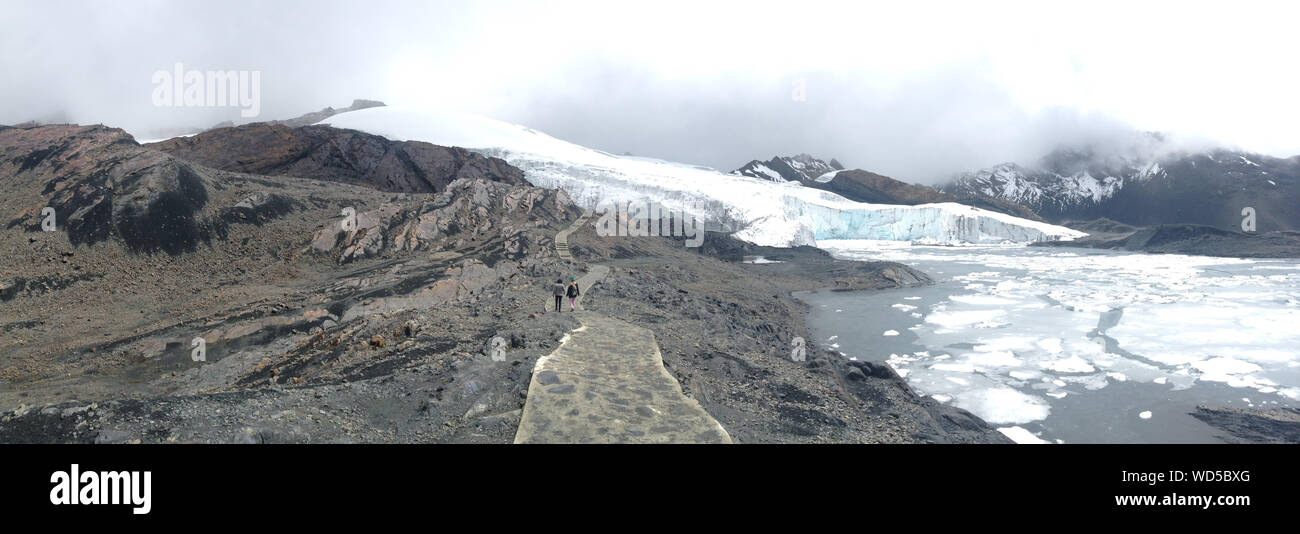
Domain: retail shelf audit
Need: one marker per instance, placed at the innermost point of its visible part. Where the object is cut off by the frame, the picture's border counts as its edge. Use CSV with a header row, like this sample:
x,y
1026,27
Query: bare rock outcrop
x,y
510,220
103,186
338,155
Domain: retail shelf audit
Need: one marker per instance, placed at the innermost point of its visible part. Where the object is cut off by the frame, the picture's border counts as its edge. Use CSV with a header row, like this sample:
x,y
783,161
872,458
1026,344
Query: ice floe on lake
x,y
1020,435
1024,328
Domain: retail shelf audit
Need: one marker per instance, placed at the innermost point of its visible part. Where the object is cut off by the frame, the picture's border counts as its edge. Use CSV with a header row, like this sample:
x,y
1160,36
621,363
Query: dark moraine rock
x,y
1279,425
103,186
327,153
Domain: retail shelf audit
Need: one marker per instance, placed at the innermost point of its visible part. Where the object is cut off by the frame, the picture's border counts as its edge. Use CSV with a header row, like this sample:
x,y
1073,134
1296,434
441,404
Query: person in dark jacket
x,y
558,290
572,292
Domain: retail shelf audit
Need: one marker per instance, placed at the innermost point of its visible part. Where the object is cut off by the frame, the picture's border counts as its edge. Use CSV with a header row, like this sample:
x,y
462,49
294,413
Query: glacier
x,y
759,211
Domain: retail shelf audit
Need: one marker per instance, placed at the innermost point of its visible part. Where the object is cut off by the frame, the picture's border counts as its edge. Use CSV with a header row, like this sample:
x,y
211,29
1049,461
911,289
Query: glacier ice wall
x,y
759,211
944,223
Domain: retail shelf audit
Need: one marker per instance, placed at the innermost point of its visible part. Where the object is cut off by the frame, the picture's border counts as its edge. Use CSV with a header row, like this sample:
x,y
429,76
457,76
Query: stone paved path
x,y
562,237
606,383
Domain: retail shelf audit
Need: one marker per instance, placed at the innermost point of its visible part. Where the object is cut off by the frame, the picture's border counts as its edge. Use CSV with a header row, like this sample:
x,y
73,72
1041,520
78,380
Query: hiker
x,y
558,290
572,291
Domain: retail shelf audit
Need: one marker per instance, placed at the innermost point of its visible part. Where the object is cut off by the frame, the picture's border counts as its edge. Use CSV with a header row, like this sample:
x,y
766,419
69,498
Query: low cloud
x,y
886,87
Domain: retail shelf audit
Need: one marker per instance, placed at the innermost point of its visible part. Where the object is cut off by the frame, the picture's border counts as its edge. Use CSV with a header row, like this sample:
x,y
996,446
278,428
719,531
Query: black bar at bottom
x,y
321,483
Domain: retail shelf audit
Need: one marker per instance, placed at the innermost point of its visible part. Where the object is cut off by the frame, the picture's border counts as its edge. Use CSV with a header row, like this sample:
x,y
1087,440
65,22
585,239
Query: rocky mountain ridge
x,y
327,153
797,168
1209,188
865,186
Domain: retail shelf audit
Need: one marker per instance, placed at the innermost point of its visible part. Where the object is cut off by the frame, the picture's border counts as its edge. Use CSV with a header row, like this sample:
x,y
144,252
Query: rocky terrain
x,y
1190,239
305,119
1277,425
326,153
113,315
176,302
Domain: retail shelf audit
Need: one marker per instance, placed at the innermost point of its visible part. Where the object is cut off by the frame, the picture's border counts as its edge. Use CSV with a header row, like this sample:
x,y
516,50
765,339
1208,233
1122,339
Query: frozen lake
x,y
1076,345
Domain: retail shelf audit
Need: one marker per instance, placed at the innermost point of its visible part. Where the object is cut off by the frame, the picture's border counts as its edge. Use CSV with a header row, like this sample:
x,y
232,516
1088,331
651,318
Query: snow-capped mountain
x,y
865,186
789,168
1047,191
1210,188
758,210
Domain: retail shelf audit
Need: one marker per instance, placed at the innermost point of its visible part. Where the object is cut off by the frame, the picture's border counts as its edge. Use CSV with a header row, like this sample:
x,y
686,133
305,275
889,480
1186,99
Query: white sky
x,y
913,89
